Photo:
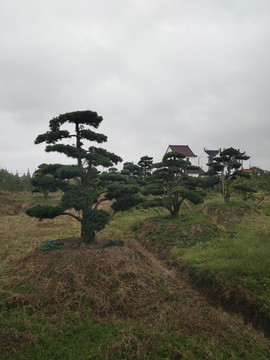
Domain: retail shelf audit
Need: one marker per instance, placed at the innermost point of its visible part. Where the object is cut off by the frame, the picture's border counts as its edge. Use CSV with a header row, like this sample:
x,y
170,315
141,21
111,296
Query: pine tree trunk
x,y
175,215
45,193
227,188
227,193
88,236
87,232
175,212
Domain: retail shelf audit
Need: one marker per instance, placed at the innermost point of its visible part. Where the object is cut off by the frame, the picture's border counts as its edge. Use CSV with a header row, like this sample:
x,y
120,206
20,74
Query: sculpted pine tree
x,y
145,164
228,167
43,180
84,188
130,169
171,186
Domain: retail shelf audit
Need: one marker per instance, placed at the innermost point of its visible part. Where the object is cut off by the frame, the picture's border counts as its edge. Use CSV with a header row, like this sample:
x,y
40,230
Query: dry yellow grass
x,y
21,234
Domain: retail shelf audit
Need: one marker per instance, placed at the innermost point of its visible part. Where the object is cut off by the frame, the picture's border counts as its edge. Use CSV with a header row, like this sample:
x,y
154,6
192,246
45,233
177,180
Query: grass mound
x,y
157,234
120,281
70,287
228,214
115,283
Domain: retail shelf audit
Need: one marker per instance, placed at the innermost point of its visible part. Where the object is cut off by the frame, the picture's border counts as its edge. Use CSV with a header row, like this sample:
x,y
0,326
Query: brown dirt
x,y
117,283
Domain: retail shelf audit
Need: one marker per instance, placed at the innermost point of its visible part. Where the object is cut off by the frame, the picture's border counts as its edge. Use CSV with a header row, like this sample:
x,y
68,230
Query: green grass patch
x,y
191,228
132,219
186,217
28,336
241,259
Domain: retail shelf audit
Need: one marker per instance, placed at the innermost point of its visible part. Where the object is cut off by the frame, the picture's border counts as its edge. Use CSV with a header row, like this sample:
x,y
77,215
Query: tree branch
x,y
99,202
74,216
112,215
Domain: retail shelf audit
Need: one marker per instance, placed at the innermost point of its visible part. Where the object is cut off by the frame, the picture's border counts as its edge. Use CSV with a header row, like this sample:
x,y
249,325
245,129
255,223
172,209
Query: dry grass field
x,y
120,302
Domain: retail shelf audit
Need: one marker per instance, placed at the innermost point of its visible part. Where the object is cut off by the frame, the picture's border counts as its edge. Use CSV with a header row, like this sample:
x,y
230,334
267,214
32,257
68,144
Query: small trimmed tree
x,y
145,164
131,170
171,186
43,179
228,167
84,187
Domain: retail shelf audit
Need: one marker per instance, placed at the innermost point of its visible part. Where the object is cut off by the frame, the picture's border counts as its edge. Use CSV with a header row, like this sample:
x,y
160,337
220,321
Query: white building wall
x,y
193,160
203,161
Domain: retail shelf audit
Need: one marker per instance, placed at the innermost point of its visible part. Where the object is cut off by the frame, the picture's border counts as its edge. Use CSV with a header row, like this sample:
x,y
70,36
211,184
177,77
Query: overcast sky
x,y
159,72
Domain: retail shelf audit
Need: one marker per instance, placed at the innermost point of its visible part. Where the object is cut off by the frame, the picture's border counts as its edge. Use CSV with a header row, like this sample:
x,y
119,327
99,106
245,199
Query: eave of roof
x,y
212,152
197,171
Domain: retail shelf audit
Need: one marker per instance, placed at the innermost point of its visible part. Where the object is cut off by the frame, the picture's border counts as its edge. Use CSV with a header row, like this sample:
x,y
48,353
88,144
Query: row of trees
x,y
14,183
85,187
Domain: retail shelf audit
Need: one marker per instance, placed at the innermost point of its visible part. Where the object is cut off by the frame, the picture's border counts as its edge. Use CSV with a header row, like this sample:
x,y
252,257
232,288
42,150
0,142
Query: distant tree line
x,y
15,183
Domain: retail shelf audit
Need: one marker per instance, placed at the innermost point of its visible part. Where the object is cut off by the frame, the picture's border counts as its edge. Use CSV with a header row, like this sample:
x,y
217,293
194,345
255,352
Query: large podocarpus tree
x,y
170,184
84,187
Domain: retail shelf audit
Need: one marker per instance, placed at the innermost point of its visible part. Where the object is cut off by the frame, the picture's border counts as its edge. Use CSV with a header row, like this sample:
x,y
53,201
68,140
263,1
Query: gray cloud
x,y
182,72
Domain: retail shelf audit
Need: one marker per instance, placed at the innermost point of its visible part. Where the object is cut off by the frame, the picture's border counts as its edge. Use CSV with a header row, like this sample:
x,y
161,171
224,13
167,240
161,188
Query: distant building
x,y
185,150
252,171
245,164
207,158
204,160
189,155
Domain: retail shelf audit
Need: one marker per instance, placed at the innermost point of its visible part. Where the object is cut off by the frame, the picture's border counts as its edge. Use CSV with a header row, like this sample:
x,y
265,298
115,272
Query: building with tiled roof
x,y
183,149
189,155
